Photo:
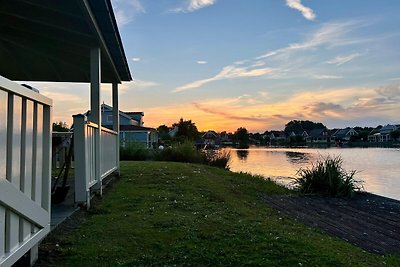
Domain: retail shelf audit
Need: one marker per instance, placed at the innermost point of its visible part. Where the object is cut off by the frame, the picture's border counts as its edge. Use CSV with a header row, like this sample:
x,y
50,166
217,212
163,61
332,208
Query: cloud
x,y
326,77
136,59
136,85
307,12
340,60
126,10
193,5
390,92
340,106
227,72
201,62
328,35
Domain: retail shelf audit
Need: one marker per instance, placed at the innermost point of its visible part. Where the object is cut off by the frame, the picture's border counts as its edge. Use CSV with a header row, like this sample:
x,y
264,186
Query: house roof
x,y
121,113
317,132
210,134
387,129
343,132
47,40
132,113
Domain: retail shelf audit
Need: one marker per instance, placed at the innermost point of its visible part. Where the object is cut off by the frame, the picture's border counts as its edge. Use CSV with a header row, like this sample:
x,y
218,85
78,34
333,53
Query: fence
x,y
93,161
25,151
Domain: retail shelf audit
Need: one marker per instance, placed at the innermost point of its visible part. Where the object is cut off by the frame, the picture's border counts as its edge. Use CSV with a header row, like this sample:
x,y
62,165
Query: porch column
x,y
116,119
95,112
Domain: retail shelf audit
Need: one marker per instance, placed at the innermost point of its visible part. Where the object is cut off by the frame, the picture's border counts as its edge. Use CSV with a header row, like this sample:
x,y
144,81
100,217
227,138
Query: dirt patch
x,y
369,221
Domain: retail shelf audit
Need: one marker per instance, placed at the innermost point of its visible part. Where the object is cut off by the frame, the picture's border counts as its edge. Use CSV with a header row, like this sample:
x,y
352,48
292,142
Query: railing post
x,y
95,106
82,191
116,121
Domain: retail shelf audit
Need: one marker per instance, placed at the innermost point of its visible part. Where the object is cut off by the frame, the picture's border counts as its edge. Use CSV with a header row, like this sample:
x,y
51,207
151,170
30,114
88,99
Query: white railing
x,y
25,152
109,144
93,163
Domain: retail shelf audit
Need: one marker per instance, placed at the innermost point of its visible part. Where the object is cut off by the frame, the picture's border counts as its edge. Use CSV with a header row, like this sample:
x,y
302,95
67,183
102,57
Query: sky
x,y
258,64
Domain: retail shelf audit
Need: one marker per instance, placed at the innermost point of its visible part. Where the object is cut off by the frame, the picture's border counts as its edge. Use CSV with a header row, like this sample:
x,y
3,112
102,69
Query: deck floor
x,y
369,221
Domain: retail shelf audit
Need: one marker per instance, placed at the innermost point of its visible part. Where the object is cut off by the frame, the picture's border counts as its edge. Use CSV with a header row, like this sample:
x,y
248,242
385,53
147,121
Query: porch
x,y
53,41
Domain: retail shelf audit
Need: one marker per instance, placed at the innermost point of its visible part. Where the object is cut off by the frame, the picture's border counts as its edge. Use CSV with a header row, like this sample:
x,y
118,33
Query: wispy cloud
x,y
136,85
201,62
328,35
227,72
193,5
307,12
126,10
340,60
136,59
326,77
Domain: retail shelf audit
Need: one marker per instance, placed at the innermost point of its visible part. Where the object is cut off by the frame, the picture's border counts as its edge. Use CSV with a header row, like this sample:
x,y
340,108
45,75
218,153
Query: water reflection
x,y
242,154
298,158
378,167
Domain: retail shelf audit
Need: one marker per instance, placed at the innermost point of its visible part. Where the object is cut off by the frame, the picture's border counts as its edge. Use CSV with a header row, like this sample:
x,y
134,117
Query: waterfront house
x,y
319,136
344,134
277,136
383,134
211,138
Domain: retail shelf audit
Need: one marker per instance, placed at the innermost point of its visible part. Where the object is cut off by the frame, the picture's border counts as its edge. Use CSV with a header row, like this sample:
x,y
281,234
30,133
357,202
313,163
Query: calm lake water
x,y
379,168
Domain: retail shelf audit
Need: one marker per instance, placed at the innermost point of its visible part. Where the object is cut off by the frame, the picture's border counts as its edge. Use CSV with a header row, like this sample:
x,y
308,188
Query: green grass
x,y
185,214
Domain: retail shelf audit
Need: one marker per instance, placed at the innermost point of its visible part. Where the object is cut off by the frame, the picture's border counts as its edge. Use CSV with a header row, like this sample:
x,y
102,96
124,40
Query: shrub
x,y
134,151
185,152
327,177
218,159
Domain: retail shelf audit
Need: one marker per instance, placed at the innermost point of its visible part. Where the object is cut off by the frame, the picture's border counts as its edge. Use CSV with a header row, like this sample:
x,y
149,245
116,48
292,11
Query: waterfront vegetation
x,y
166,213
177,152
327,177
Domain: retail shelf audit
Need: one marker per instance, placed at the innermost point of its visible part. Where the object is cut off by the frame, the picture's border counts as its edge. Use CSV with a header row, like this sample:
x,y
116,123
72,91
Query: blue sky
x,y
258,64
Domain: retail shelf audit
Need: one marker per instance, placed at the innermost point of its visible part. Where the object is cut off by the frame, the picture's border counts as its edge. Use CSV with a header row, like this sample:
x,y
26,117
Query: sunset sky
x,y
254,63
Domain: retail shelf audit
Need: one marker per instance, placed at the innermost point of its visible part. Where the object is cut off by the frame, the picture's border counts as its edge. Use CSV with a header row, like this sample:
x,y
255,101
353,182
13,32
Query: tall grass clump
x,y
134,151
220,159
327,177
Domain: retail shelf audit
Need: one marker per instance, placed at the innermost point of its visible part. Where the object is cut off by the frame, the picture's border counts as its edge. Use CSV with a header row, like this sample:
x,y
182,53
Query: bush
x,y
185,152
218,159
327,177
134,151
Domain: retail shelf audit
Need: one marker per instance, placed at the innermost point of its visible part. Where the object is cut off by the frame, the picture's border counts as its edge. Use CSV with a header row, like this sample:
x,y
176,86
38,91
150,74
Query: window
x,y
109,118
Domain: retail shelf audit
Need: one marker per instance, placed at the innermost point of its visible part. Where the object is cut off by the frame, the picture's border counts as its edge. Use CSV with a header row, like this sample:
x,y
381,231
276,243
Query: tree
x,y
395,135
242,137
300,126
60,127
163,132
186,130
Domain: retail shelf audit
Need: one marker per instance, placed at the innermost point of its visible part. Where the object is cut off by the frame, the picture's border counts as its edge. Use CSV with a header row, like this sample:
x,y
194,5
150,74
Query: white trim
x,y
13,87
18,202
11,257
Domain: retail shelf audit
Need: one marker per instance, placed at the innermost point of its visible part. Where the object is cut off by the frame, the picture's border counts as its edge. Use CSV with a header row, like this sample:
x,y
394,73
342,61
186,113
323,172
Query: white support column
x,y
82,192
116,119
95,106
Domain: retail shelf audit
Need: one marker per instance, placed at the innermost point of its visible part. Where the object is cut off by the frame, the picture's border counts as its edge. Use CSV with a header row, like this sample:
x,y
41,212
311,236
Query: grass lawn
x,y
162,213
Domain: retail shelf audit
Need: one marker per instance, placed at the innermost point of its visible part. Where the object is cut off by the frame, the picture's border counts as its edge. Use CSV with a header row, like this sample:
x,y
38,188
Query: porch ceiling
x,y
50,40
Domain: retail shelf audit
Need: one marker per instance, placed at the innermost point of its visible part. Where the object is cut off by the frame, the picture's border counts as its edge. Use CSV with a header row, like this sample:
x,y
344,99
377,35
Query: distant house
x,y
211,138
131,127
344,134
319,136
277,136
383,134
